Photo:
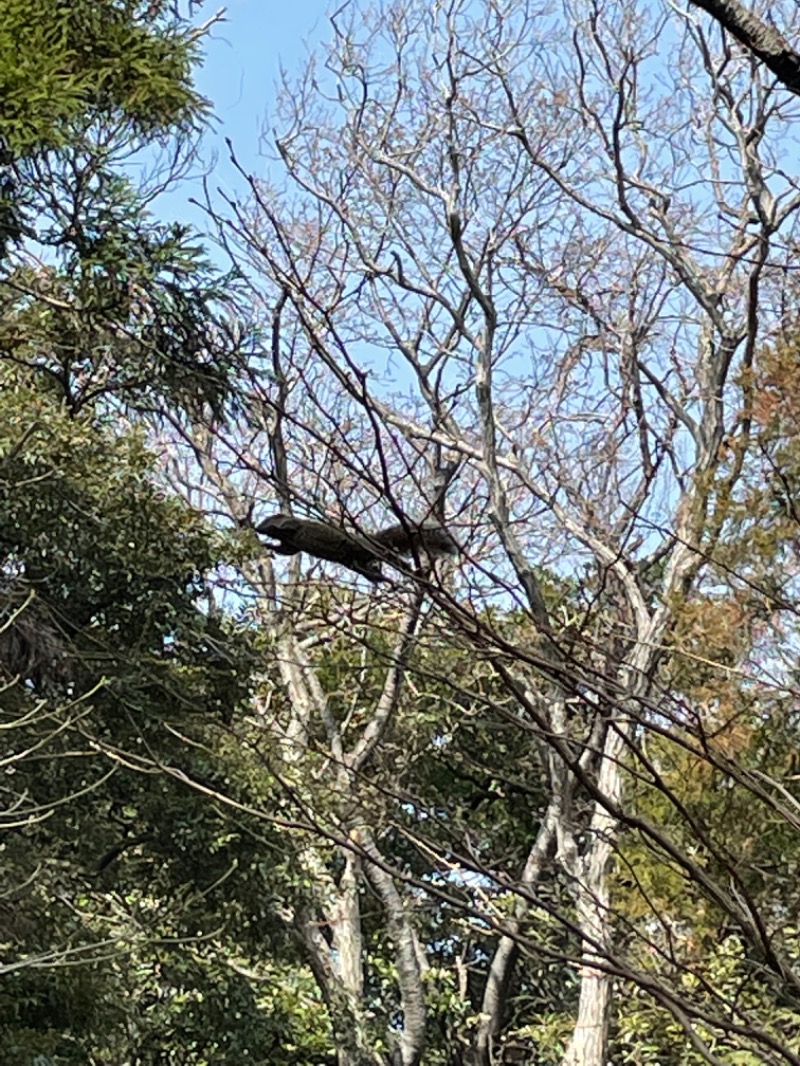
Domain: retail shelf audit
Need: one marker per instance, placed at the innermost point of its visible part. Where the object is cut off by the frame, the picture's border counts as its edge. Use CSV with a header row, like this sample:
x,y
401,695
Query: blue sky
x,y
244,55
243,58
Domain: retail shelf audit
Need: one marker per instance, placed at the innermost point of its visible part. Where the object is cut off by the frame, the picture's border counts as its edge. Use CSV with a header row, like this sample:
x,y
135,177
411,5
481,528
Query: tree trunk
x,y
501,970
588,1045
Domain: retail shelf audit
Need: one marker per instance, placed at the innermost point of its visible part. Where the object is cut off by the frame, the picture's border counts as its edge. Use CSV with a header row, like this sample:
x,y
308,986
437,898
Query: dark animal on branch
x,y
414,539
322,541
363,554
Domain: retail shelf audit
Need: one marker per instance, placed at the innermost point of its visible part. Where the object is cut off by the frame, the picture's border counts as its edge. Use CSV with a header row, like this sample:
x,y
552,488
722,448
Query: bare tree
x,y
544,248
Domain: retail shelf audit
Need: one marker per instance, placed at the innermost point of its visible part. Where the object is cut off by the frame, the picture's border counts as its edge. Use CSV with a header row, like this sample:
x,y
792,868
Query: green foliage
x,y
162,998
120,306
126,314
103,643
96,539
115,881
648,1035
84,72
61,63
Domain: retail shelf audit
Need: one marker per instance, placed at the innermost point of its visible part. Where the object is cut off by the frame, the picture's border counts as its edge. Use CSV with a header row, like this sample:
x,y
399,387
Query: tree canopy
x,y
526,275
